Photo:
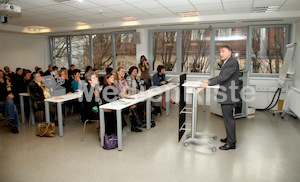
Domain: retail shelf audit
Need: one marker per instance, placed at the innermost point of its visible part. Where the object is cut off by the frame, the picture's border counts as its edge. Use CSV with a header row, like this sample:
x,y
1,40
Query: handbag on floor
x,y
110,141
46,129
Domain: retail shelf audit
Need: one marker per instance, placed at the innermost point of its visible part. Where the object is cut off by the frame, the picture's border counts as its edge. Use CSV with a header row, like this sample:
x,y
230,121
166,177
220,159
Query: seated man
x,y
7,104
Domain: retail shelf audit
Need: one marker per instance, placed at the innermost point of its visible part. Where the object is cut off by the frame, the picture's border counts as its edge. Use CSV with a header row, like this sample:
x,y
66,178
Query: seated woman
x,y
123,91
37,92
135,87
159,79
7,103
63,74
107,95
77,84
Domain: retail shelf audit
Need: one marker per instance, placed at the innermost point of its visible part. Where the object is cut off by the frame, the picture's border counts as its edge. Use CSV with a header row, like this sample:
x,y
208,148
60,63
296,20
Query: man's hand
x,y
163,82
204,81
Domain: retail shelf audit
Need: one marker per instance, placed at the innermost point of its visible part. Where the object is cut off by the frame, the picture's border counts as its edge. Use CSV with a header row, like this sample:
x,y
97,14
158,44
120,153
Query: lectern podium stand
x,y
191,136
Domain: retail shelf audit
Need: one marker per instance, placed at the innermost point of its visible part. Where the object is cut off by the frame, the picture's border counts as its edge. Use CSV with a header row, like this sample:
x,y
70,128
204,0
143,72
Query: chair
x,y
84,126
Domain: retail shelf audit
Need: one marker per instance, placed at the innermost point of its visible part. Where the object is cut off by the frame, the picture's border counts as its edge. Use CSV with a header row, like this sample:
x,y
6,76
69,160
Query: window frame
x,y
248,61
90,46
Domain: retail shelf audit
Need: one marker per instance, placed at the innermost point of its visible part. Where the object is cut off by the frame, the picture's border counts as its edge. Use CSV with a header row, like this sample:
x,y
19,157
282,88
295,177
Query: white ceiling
x,y
84,15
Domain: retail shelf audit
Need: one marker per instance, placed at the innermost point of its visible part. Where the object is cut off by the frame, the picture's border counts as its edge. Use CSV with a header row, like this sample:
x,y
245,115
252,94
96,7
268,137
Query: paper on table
x,y
168,80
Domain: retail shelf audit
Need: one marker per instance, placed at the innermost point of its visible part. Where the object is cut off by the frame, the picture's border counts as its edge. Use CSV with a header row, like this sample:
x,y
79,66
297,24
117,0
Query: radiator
x,y
294,101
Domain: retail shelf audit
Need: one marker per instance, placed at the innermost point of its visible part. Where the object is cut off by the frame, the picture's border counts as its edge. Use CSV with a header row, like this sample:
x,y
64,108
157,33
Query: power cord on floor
x,y
270,106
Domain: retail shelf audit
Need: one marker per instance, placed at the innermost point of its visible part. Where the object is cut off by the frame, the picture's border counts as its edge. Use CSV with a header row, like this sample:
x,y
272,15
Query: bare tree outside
x,y
80,53
236,38
267,49
102,51
164,50
59,47
195,51
125,50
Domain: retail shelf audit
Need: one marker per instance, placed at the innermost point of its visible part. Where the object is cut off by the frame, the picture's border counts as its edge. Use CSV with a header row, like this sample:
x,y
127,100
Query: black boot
x,y
137,118
134,124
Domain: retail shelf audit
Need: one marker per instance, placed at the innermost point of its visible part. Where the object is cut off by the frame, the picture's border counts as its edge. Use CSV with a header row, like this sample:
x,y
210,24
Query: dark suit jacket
x,y
229,73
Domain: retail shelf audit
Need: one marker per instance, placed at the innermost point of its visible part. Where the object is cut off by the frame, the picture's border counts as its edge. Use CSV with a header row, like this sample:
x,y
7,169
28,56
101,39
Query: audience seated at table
x,y
63,76
71,72
40,70
159,79
91,104
123,92
49,70
135,86
77,84
7,73
7,103
16,82
38,92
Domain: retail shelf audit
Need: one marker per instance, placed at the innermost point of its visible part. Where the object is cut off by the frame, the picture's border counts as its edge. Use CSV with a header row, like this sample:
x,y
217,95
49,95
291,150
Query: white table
x,y
191,136
59,101
31,116
124,103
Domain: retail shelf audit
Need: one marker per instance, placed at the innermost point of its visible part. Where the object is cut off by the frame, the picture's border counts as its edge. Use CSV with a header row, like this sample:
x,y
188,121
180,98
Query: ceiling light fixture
x,y
67,1
129,18
264,9
188,14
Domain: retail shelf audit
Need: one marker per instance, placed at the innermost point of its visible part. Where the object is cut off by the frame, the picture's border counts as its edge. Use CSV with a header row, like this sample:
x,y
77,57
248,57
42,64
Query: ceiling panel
x,y
103,9
182,9
172,3
158,10
147,5
39,2
123,7
62,15
136,1
232,5
84,5
208,7
25,5
205,1
263,3
62,8
107,2
237,10
210,12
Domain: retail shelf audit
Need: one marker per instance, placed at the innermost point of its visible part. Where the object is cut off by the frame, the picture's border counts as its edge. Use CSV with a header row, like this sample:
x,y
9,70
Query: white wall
x,y
296,38
25,51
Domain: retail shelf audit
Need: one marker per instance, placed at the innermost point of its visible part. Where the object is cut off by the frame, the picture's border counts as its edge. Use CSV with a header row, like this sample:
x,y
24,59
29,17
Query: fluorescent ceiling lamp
x,y
188,14
129,18
67,1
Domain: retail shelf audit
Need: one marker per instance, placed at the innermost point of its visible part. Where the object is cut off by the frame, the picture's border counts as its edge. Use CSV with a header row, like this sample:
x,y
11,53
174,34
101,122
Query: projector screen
x,y
286,63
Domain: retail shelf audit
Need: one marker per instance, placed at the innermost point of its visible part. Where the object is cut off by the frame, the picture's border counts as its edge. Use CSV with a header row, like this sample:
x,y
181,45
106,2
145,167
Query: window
x,y
102,51
195,51
125,50
267,49
59,52
80,51
236,38
164,50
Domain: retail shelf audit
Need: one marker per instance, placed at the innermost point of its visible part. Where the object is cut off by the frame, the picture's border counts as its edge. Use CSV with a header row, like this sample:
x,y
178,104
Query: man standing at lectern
x,y
227,94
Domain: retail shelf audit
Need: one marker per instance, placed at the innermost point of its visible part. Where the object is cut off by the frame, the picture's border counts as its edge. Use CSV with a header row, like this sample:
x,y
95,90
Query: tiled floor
x,y
267,150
